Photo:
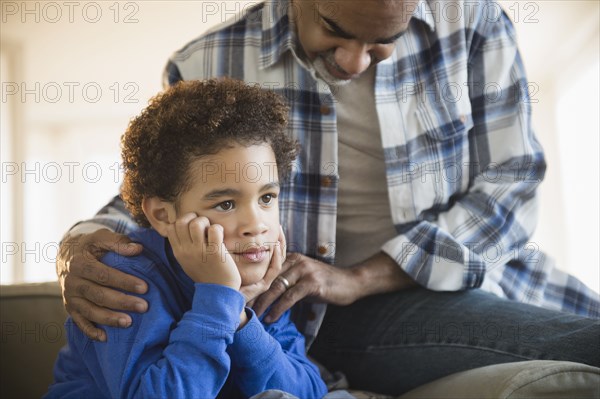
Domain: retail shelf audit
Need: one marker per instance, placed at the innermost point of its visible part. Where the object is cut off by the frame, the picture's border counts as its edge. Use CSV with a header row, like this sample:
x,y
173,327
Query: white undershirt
x,y
364,221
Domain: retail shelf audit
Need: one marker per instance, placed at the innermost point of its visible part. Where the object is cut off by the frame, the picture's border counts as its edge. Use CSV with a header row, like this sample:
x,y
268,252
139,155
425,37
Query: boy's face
x,y
238,188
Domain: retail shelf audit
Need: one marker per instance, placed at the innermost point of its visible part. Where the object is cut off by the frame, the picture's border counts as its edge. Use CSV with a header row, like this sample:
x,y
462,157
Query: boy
x,y
202,166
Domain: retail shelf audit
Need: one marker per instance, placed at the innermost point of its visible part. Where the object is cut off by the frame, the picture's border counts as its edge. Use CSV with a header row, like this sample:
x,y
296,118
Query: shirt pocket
x,y
440,157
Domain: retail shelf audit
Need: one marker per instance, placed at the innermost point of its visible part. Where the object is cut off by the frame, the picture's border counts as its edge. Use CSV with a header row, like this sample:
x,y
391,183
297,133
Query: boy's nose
x,y
252,224
257,229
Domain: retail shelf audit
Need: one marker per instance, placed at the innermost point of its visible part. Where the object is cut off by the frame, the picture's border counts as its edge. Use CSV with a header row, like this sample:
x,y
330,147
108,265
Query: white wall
x,y
560,45
53,45
80,71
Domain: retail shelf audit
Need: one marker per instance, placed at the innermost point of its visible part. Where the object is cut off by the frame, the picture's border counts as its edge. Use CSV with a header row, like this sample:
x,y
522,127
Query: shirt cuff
x,y
251,344
431,271
218,307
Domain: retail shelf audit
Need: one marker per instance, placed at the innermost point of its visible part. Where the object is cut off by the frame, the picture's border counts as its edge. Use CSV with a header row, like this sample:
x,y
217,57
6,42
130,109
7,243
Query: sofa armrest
x,y
32,332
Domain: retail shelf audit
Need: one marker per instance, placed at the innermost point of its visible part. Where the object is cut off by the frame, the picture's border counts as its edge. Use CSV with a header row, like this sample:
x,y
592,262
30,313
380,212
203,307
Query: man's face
x,y
343,38
238,188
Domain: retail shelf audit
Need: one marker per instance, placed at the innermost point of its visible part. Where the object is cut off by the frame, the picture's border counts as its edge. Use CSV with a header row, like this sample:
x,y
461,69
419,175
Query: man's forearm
x,y
113,216
380,274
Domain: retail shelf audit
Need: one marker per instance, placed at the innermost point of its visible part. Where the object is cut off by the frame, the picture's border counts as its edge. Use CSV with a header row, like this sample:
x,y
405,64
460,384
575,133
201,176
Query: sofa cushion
x,y
528,379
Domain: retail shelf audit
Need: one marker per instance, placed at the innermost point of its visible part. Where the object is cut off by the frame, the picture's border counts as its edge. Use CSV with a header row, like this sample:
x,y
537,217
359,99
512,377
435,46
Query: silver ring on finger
x,y
286,283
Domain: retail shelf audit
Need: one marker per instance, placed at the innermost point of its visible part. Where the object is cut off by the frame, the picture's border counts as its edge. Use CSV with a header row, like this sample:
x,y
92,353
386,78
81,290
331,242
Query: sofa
x,y
32,332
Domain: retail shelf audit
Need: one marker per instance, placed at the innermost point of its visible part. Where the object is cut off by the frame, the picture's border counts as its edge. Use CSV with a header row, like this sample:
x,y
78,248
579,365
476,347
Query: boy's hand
x,y
198,246
254,290
85,281
243,319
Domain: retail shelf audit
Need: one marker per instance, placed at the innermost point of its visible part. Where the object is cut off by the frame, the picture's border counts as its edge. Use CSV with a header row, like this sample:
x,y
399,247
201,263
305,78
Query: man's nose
x,y
354,57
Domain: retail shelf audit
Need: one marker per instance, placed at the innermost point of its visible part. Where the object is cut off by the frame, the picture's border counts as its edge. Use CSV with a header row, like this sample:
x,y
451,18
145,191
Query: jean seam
x,y
419,346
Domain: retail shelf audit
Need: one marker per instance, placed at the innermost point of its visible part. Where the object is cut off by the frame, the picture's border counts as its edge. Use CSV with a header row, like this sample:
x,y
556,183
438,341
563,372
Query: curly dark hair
x,y
192,119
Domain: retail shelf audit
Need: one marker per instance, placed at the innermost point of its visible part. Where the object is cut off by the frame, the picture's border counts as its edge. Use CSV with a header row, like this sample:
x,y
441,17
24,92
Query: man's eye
x,y
225,206
329,31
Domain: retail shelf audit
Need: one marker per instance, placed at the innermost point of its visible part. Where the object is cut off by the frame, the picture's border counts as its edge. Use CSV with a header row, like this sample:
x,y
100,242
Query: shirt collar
x,y
277,32
425,13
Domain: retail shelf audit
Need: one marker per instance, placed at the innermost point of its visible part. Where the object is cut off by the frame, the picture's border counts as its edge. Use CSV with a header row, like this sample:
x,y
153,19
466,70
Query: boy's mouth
x,y
256,254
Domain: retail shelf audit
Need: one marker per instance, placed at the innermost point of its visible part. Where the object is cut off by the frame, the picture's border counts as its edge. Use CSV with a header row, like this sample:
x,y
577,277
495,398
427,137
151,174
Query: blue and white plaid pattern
x,y
462,160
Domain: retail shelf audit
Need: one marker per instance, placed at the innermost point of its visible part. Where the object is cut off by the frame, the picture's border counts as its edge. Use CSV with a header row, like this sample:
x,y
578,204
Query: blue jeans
x,y
395,342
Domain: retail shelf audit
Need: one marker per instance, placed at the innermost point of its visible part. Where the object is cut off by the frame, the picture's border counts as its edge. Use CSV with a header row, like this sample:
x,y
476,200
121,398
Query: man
x,y
418,168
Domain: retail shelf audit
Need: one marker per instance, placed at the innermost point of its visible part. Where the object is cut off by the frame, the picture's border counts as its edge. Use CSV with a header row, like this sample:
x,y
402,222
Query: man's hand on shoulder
x,y
87,285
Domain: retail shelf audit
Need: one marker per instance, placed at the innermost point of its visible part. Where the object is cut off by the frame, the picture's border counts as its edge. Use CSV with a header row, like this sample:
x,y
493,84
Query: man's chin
x,y
324,73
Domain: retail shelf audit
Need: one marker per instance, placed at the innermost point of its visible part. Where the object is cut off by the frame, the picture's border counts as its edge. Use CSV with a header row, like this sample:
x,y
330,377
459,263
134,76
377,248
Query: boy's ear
x,y
159,213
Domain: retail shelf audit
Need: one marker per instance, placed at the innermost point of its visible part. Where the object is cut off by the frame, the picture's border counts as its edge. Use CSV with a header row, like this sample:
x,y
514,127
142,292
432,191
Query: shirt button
x,y
311,316
463,118
473,279
326,181
325,110
322,249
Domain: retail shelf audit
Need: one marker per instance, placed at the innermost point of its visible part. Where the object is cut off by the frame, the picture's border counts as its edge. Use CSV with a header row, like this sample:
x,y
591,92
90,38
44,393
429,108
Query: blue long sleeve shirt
x,y
186,345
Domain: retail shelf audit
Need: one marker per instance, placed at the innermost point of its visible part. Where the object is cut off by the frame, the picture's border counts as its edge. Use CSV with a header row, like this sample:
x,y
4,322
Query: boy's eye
x,y
267,199
225,206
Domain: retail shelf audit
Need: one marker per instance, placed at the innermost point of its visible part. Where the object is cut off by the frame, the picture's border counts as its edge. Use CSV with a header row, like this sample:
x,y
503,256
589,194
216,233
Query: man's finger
x,y
98,315
108,298
99,273
291,260
104,240
91,331
277,289
265,300
123,248
285,302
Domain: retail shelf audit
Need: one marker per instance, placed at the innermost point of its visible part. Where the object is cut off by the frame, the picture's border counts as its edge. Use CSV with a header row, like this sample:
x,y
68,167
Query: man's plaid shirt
x,y
462,160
